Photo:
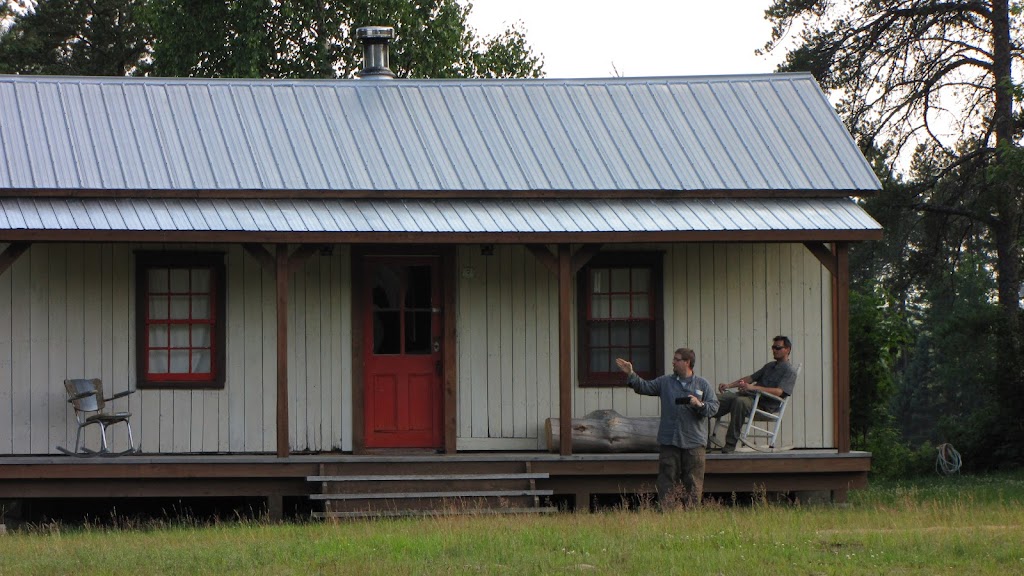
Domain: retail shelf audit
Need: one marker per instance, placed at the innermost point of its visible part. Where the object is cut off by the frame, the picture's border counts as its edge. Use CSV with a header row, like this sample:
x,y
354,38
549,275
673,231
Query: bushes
x,y
892,457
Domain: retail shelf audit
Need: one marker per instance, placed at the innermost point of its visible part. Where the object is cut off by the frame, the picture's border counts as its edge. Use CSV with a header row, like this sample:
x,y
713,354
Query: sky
x,y
600,38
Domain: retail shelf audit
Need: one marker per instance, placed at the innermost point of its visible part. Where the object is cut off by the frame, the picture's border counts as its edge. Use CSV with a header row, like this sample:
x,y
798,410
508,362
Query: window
x,y
180,319
619,307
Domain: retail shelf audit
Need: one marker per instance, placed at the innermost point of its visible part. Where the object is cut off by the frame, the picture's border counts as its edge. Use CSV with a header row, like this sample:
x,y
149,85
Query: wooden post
x,y
275,507
281,272
449,282
564,348
842,360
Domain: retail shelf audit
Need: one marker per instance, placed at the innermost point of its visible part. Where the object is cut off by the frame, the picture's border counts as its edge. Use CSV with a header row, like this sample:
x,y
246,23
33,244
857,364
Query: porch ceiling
x,y
436,220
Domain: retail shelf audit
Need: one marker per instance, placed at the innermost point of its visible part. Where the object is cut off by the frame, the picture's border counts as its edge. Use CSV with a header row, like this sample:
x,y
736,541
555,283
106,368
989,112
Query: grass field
x,y
959,525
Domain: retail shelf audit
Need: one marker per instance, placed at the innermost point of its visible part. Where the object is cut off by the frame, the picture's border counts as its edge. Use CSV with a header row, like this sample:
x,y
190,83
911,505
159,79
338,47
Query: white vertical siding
x,y
724,300
6,367
320,364
68,311
507,326
21,368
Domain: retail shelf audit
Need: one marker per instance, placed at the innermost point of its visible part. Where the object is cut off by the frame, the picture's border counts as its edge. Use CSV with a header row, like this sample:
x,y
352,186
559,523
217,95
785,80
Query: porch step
x,y
426,477
427,491
465,494
422,513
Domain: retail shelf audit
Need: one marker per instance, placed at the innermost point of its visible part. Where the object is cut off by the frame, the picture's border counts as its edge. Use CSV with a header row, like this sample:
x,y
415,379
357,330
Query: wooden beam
x,y
449,283
360,305
541,252
583,255
298,258
261,254
564,347
11,254
281,273
843,346
824,255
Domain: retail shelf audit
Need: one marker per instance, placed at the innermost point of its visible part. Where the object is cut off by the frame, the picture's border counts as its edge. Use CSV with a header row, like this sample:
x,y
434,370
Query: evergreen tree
x,y
933,81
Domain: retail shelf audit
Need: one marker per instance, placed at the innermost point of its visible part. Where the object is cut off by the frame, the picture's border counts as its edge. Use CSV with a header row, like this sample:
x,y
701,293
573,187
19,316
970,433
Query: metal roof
x,y
426,217
772,132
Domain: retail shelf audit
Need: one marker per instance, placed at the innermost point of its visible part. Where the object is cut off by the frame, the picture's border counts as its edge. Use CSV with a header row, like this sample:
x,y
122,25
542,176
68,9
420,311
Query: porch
x,y
572,479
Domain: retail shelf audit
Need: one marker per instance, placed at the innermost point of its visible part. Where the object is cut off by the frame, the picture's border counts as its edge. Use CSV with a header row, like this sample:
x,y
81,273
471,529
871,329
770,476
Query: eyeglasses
x,y
777,347
677,359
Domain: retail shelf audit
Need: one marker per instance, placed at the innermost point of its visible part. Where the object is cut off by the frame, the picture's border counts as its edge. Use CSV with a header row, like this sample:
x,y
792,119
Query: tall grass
x,y
949,526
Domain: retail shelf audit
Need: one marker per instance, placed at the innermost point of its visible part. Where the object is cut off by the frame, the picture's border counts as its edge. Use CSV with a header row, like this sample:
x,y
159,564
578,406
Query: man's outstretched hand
x,y
624,365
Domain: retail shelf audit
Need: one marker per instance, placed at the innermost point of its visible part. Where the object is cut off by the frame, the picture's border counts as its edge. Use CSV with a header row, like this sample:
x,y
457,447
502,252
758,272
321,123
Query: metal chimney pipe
x,y
375,41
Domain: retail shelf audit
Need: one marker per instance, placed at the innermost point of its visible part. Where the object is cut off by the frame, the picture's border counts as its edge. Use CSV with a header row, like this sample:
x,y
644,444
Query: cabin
x,y
302,279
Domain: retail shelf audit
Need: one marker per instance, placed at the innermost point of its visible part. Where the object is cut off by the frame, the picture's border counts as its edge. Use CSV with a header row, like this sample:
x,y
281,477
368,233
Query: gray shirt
x,y
681,425
775,375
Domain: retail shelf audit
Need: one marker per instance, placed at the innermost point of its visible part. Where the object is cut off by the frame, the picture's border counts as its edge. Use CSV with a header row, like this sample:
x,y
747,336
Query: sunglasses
x,y
777,347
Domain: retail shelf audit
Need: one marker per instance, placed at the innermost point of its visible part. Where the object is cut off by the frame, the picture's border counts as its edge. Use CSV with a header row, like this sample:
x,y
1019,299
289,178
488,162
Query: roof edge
x,y
401,238
65,193
31,78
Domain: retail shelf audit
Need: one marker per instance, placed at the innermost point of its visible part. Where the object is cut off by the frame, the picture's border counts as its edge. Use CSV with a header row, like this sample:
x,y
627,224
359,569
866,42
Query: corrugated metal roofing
x,y
536,216
759,132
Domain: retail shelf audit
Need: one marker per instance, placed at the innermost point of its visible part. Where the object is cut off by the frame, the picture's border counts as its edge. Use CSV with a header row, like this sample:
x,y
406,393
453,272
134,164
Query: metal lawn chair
x,y
86,396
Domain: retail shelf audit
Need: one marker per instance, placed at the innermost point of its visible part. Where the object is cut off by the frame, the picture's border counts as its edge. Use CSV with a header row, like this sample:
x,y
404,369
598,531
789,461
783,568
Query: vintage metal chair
x,y
86,396
751,431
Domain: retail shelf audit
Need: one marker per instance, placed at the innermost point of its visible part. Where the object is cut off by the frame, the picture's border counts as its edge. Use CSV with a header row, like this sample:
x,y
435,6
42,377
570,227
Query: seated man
x,y
778,378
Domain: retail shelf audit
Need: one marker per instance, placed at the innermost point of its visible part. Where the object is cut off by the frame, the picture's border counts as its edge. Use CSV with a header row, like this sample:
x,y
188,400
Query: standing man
x,y
687,400
777,377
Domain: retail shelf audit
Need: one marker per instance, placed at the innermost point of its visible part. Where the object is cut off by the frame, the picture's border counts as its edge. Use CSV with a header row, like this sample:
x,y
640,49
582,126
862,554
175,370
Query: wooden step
x,y
441,512
462,494
432,467
387,491
427,477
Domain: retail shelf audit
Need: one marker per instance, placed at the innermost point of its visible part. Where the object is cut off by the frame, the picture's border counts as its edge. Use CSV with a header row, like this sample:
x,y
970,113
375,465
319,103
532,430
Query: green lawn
x,y
960,525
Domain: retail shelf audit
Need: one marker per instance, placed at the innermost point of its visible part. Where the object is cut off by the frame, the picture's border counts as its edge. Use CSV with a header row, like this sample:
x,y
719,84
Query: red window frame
x,y
214,321
639,326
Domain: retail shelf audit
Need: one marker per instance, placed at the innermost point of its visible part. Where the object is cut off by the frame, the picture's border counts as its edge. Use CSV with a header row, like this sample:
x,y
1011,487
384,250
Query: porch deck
x,y
579,476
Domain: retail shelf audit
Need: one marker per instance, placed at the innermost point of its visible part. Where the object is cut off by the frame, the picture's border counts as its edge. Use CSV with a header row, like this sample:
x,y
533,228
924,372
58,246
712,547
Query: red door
x,y
402,352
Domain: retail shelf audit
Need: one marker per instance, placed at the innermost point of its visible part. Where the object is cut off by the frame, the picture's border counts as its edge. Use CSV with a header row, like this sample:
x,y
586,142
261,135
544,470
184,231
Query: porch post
x,y
281,273
564,350
842,346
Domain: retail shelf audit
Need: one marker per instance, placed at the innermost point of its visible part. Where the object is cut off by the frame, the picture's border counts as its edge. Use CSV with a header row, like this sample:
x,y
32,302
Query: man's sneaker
x,y
728,449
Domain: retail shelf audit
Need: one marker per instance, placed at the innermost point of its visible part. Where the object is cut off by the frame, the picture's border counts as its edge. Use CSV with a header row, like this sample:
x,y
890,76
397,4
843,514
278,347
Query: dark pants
x,y
738,407
680,475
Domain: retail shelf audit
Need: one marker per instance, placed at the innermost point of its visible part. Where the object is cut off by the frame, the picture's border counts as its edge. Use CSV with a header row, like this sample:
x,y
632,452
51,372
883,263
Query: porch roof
x,y
437,219
748,135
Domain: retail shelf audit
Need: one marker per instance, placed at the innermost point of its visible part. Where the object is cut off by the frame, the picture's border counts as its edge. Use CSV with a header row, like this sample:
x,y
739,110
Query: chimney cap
x,y
375,41
375,34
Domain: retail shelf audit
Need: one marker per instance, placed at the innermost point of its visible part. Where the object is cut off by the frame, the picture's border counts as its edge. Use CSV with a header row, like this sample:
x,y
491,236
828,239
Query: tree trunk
x,y
1006,228
606,431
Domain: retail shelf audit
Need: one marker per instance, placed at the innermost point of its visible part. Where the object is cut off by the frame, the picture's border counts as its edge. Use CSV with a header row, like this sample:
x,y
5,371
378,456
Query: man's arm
x,y
709,406
638,384
773,391
788,381
741,383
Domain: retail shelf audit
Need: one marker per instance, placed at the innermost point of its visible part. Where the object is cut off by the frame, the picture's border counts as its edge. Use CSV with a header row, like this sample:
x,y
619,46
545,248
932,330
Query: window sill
x,y
180,385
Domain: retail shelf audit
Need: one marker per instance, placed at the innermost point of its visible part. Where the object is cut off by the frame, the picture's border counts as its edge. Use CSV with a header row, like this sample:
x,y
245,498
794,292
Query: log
x,y
605,431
